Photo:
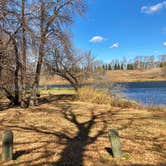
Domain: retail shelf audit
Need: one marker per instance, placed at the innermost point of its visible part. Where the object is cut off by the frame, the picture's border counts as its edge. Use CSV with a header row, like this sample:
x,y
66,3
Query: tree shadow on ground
x,y
41,100
19,153
72,154
109,151
29,151
5,105
53,98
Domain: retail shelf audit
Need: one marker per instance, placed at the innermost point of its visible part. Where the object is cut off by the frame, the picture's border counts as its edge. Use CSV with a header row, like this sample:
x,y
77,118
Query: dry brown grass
x,y
125,103
75,133
60,91
155,108
135,75
100,96
93,95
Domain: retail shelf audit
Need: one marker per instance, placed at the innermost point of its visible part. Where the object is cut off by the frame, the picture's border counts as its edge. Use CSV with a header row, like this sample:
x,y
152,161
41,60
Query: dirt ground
x,y
63,132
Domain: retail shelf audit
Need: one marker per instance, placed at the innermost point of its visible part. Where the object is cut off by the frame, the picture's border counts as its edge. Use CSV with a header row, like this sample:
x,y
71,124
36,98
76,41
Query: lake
x,y
148,93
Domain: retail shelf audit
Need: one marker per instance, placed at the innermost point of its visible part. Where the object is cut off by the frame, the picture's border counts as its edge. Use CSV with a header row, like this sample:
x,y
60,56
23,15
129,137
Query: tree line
x,y
139,62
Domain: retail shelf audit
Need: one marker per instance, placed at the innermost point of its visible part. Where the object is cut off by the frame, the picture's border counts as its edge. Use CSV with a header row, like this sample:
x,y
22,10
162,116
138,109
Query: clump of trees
x,y
139,62
34,36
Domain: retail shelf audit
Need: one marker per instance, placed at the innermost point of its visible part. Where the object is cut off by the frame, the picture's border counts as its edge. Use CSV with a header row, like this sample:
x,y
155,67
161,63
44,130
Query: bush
x,y
90,94
124,103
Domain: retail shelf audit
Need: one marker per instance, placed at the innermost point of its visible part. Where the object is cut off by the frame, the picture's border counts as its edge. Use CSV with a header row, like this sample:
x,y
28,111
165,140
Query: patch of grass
x,y
127,156
155,108
124,103
105,158
135,75
93,95
57,91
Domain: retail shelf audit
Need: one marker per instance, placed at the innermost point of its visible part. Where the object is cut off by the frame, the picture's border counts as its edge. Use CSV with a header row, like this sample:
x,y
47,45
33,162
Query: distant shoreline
x,y
115,76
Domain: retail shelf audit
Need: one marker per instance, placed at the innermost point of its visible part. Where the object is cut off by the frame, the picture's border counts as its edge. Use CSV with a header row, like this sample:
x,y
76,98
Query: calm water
x,y
146,92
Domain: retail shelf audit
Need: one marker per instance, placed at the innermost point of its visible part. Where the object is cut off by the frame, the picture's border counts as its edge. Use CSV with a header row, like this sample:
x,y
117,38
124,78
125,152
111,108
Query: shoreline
x,y
67,84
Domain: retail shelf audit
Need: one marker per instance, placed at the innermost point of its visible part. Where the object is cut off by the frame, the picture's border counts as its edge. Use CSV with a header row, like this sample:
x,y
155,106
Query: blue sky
x,y
113,29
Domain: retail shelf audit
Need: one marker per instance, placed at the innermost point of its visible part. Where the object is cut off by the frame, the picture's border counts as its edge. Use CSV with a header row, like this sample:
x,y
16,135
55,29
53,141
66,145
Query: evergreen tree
x,y
118,66
109,67
115,67
122,67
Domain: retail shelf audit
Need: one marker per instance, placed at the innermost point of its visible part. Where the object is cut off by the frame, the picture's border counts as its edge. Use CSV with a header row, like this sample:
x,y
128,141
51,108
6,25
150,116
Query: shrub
x,y
124,103
91,94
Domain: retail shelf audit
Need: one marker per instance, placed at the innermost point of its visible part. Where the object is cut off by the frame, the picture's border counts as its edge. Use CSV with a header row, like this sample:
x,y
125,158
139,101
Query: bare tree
x,y
37,28
51,15
13,24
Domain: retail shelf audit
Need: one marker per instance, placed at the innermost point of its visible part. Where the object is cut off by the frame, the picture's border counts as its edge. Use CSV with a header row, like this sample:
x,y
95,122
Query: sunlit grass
x,y
57,91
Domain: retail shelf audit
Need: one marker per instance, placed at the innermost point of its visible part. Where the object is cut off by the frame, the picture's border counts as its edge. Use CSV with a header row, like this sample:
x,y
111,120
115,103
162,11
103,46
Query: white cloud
x,y
97,39
164,44
154,8
115,45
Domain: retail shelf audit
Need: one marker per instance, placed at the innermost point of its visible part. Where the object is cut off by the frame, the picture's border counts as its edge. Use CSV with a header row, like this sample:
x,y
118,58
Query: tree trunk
x,y
40,56
14,98
23,65
16,75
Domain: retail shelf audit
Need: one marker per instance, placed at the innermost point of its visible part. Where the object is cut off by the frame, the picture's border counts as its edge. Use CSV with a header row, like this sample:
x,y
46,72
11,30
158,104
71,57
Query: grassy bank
x,y
136,75
64,130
